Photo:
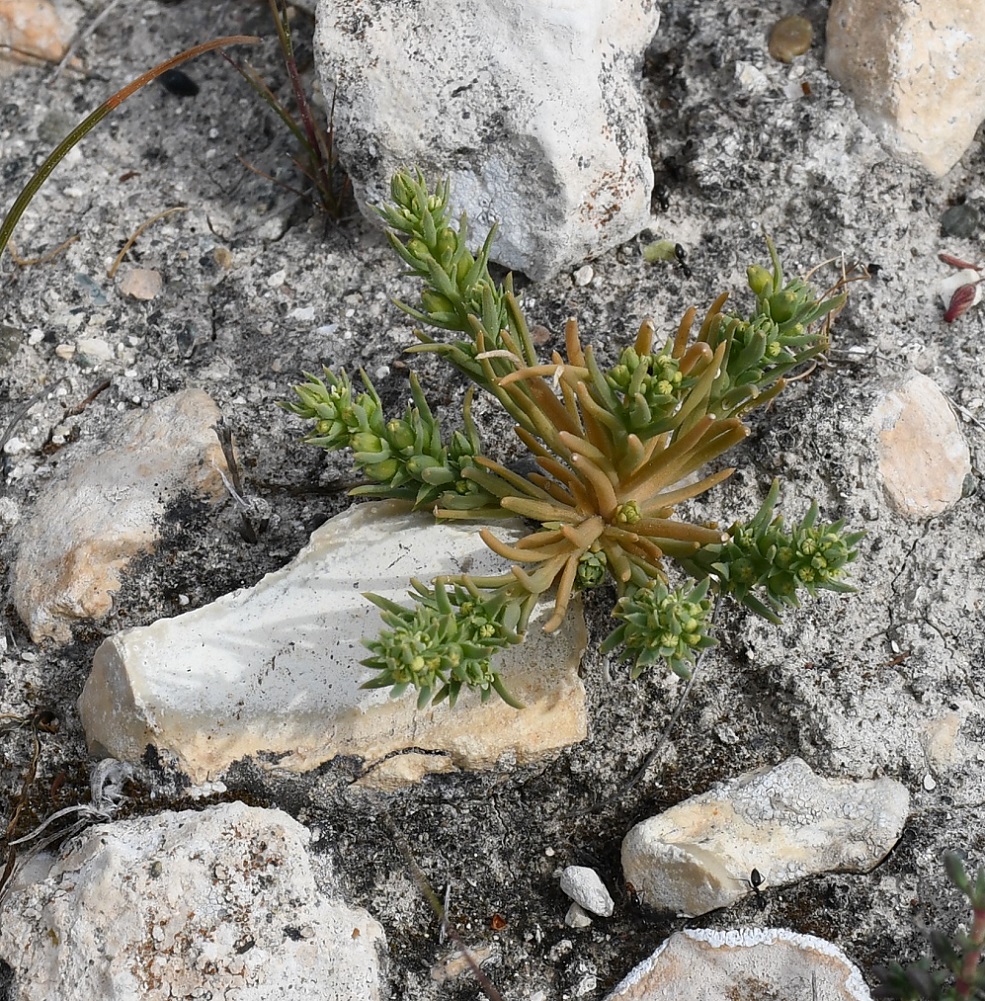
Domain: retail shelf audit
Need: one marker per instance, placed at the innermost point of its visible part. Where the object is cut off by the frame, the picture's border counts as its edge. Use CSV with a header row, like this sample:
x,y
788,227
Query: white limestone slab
x,y
273,671
785,822
217,903
722,964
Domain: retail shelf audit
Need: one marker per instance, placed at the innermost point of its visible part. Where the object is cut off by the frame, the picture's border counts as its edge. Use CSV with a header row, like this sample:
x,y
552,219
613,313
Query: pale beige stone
x,y
923,456
916,72
102,508
273,671
785,822
746,964
32,30
404,770
142,283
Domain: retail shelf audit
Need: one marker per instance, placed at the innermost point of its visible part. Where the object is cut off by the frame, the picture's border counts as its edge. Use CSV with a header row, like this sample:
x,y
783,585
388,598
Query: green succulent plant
x,y
617,450
956,972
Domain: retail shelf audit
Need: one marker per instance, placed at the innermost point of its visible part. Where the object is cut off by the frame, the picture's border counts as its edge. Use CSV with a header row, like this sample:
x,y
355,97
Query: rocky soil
x,y
258,287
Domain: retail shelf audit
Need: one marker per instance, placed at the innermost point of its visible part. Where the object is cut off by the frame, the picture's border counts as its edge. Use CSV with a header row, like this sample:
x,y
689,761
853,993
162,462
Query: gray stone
x,y
533,110
181,905
786,822
273,670
747,963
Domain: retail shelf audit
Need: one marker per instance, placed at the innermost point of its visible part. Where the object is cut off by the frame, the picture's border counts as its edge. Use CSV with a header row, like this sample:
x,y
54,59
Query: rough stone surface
x,y
786,822
585,887
923,456
274,670
104,507
35,30
746,964
916,72
533,110
221,903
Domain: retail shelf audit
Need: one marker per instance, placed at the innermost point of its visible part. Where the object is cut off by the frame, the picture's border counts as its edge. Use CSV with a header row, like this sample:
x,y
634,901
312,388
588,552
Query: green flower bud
x,y
783,305
446,246
418,248
627,514
760,280
366,441
591,570
382,472
418,463
401,434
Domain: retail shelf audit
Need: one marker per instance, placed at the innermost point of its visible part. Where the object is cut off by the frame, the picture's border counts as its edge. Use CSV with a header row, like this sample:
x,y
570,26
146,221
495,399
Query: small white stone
x,y
584,275
751,78
584,886
65,351
16,446
277,278
929,782
304,313
576,917
95,349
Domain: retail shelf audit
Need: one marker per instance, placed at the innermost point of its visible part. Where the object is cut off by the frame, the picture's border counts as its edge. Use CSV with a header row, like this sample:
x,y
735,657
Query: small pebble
x,y
929,783
584,275
223,257
142,283
960,221
576,917
790,37
65,351
585,887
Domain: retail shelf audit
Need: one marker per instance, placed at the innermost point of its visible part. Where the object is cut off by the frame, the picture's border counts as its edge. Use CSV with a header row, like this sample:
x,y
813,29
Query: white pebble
x,y
576,917
584,887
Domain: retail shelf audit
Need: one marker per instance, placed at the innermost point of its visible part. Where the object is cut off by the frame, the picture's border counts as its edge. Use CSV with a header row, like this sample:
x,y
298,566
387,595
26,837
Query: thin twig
x,y
137,234
28,262
78,38
485,984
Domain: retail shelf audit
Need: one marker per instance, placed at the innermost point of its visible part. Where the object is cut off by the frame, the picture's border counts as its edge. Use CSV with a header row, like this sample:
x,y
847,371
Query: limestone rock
x,y
916,72
102,507
584,886
218,903
923,456
33,30
721,965
786,822
533,110
273,671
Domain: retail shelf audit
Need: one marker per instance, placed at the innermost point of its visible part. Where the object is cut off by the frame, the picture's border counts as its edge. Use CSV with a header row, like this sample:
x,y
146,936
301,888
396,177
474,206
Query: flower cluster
x,y
404,457
444,641
660,625
763,554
